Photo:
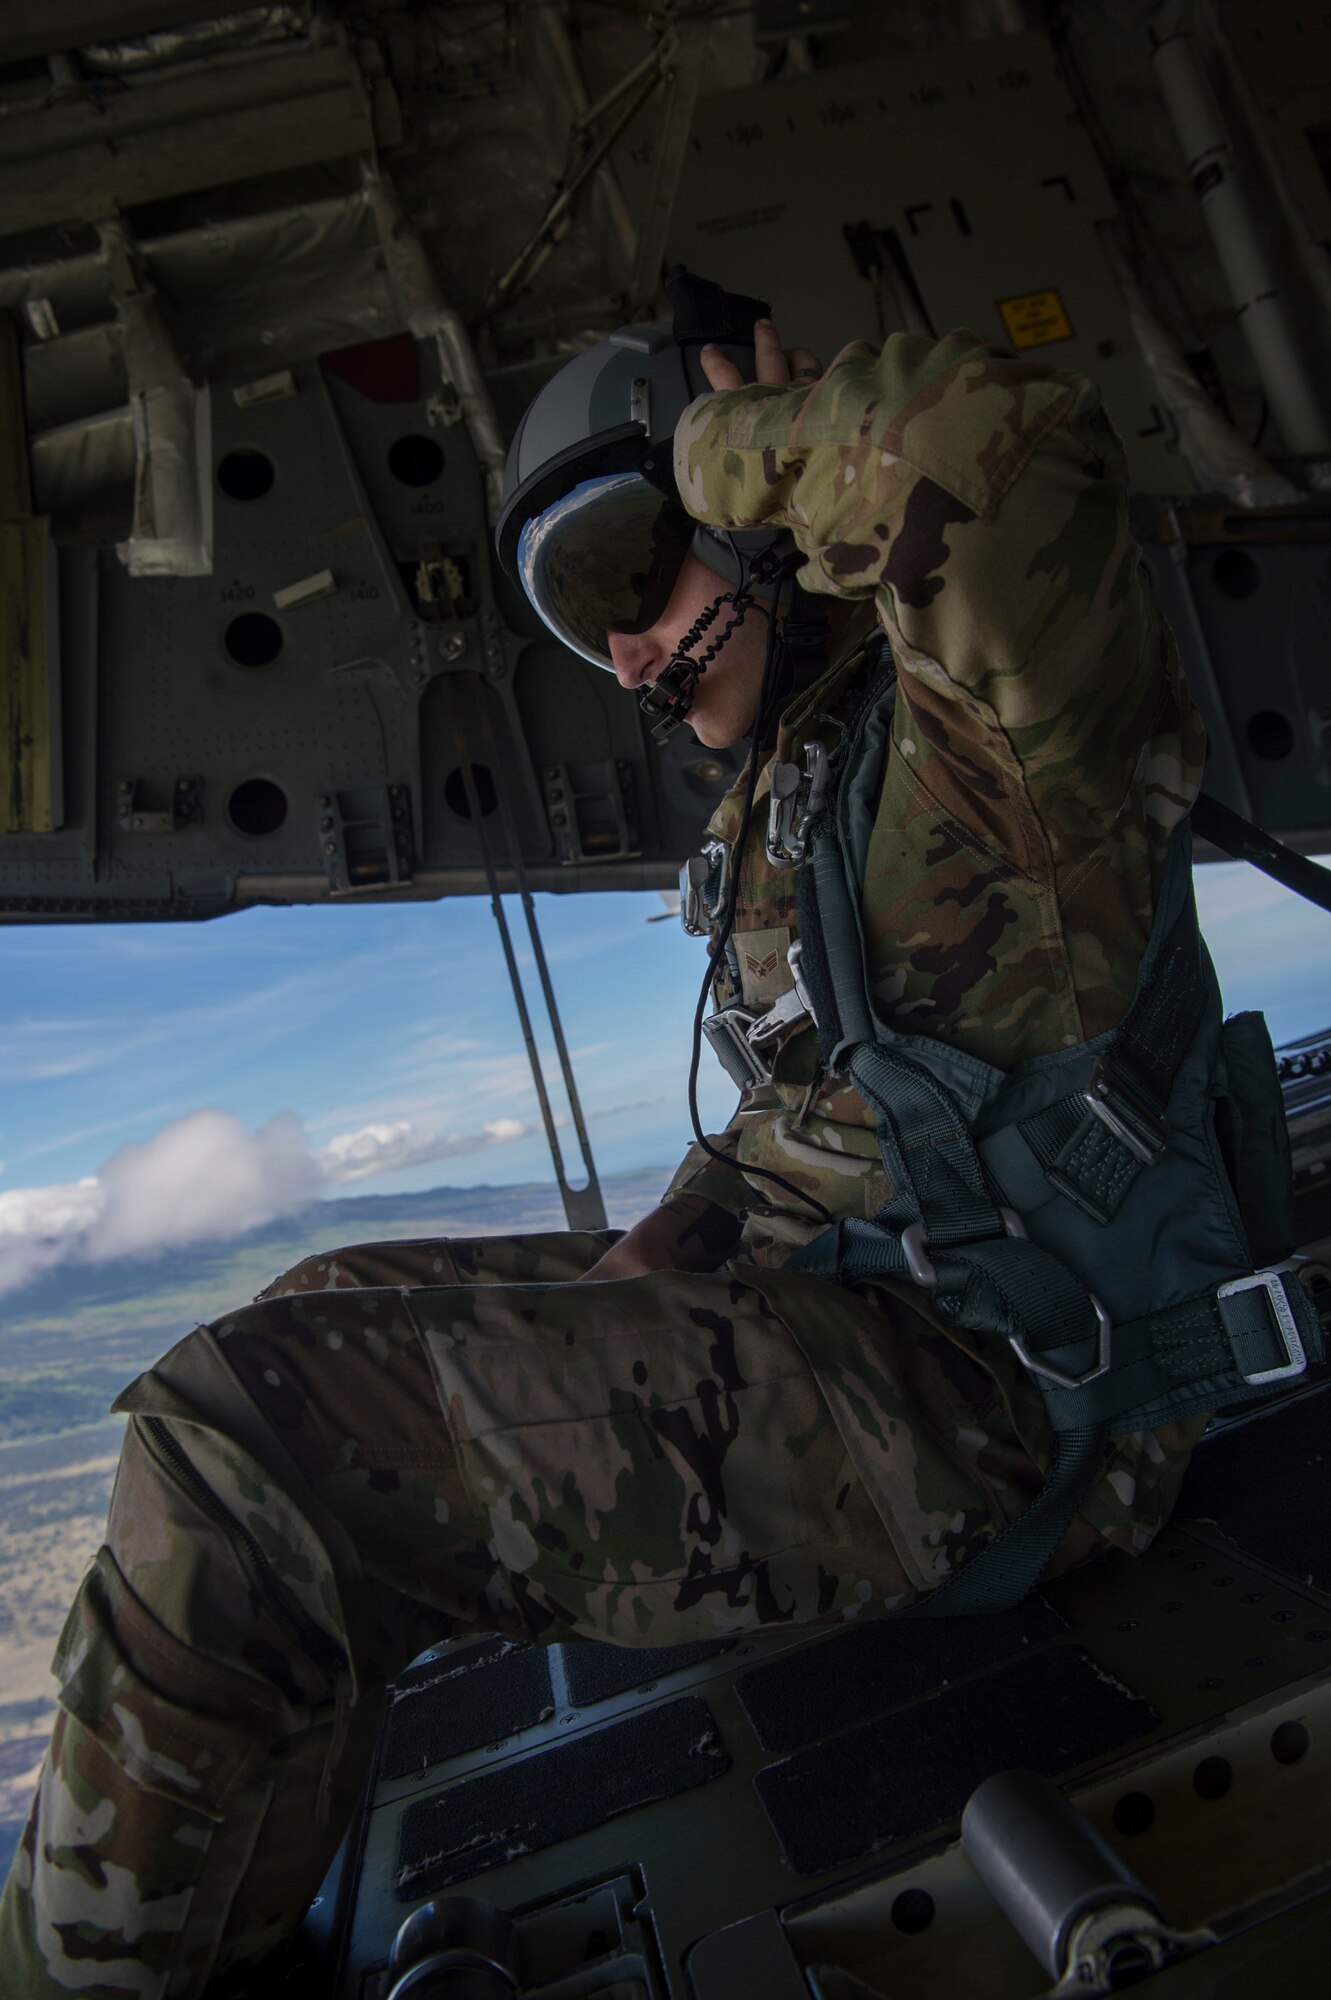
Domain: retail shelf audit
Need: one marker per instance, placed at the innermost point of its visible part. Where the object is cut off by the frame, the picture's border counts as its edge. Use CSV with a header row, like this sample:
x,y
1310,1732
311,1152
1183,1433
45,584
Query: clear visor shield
x,y
605,558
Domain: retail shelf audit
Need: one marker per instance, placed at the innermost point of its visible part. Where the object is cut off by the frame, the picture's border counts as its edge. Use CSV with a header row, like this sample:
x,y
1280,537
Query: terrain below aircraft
x,y
276,283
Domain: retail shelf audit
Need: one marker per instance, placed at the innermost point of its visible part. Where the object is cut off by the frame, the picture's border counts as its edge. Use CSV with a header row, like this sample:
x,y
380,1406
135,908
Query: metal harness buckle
x,y
738,1035
924,1274
1296,1362
797,799
789,1008
1104,1327
728,1031
914,1237
704,882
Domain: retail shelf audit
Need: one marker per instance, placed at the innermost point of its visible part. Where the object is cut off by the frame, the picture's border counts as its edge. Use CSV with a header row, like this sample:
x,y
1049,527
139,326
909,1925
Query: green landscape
x,y
72,1339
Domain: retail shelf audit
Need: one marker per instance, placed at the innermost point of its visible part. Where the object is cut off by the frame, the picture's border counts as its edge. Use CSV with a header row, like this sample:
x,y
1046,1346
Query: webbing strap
x,y
1164,1016
989,1280
1093,1146
1208,1351
1081,1157
994,1281
1201,1354
1007,1569
1247,842
927,1149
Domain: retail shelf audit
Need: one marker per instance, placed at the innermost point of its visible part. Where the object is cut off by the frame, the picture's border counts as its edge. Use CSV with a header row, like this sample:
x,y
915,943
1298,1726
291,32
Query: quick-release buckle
x,y
1121,1105
692,876
795,960
781,1014
728,1032
738,1034
797,799
704,883
924,1274
1269,1281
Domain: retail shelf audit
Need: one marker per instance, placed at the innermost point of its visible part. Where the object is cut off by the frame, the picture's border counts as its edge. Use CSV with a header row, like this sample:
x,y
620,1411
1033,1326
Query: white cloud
x,y
384,1149
499,1130
207,1178
375,1149
201,1178
37,1226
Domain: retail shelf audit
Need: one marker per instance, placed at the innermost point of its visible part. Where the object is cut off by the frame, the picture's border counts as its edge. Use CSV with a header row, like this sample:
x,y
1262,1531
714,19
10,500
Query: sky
x,y
164,1084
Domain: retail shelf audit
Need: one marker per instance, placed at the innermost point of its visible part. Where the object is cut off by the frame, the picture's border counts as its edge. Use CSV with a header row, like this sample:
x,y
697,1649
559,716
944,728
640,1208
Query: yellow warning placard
x,y
1035,319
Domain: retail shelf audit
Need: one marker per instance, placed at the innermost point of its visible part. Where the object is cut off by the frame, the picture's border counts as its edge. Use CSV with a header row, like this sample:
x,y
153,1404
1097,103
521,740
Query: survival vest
x,y
1118,1212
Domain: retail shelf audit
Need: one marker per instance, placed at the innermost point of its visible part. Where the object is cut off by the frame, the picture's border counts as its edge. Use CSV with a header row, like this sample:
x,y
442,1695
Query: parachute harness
x,y
742,598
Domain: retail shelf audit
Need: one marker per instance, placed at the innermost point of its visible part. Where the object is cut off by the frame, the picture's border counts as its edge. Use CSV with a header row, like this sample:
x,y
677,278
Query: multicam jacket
x,y
1044,743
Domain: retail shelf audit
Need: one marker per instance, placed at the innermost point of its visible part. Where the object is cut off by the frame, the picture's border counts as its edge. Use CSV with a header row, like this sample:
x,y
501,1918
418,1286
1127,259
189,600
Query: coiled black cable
x,y
741,601
766,693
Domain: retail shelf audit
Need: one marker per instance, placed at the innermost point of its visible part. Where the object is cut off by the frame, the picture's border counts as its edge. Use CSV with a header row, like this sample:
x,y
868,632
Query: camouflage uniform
x,y
407,1440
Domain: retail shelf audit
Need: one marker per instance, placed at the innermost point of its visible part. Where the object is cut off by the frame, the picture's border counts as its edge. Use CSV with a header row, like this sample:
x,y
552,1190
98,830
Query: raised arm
x,y
981,500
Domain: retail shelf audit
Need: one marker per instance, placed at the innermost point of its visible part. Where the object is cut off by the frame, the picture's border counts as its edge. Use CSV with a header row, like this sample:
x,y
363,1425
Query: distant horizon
x,y
167,1090
220,1266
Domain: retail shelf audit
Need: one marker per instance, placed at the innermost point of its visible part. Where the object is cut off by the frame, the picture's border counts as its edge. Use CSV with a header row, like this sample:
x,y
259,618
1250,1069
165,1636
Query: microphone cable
x,y
716,952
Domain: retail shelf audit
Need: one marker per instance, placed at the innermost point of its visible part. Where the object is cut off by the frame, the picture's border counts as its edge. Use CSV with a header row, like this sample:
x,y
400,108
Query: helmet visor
x,y
604,558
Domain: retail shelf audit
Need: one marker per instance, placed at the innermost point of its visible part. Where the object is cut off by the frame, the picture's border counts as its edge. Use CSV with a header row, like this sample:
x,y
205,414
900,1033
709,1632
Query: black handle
x,y
704,311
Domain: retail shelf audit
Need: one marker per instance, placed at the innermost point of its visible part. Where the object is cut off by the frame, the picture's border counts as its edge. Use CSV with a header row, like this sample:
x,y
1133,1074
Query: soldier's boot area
x,y
647,1461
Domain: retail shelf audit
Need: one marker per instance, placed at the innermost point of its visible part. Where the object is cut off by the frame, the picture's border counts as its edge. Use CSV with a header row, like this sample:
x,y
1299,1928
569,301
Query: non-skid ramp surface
x,y
593,1672
823,1689
463,1700
914,1770
555,1795
1263,1485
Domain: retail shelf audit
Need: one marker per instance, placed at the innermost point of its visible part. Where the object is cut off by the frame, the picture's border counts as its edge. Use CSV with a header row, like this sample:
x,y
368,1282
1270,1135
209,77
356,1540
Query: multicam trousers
x,y
405,1441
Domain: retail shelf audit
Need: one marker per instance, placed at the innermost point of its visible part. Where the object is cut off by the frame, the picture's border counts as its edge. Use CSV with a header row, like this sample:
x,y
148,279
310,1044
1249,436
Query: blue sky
x,y
347,1017
309,1050
290,1051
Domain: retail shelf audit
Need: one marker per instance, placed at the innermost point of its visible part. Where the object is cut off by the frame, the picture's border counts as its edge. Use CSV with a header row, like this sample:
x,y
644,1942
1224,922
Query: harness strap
x,y
1246,842
1201,1355
1208,1351
1081,1157
1093,1146
942,1227
1216,1349
1007,1569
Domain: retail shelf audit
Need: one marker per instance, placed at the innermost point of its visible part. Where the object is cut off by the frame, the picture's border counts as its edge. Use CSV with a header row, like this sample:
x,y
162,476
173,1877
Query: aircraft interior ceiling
x,y
280,281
